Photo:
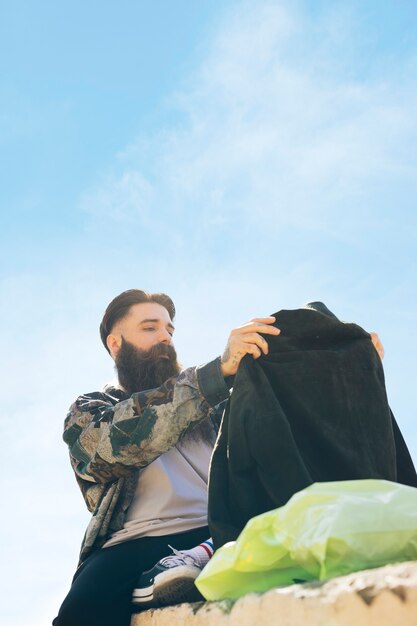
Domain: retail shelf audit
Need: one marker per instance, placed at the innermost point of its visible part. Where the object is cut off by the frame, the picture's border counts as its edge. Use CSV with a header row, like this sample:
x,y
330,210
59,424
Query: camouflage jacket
x,y
111,436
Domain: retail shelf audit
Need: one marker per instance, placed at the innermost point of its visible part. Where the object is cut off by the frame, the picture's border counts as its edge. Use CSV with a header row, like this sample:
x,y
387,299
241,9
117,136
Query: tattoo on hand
x,y
226,354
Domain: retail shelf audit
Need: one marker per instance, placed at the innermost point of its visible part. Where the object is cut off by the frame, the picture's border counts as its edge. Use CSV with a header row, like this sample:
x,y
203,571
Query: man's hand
x,y
247,340
378,345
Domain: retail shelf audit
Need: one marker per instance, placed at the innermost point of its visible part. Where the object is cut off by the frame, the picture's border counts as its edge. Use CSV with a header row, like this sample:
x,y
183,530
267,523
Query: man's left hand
x,y
377,344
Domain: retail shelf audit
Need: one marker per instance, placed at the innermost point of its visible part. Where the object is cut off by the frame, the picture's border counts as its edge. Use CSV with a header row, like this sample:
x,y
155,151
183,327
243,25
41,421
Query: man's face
x,y
144,326
141,345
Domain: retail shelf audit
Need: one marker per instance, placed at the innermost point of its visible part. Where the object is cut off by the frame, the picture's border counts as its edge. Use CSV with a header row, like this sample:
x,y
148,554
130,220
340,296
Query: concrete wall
x,y
381,597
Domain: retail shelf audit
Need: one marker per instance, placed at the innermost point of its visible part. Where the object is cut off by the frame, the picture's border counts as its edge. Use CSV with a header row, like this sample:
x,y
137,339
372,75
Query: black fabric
x,y
314,409
102,587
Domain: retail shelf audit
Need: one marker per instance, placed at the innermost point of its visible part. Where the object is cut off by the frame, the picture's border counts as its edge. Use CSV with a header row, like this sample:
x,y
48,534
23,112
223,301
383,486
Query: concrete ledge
x,y
386,596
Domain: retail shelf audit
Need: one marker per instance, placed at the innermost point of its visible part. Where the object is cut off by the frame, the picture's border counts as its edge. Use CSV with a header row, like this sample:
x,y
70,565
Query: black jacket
x,y
314,409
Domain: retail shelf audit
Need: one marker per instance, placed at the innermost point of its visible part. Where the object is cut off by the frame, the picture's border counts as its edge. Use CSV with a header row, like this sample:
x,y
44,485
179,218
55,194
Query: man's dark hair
x,y
120,305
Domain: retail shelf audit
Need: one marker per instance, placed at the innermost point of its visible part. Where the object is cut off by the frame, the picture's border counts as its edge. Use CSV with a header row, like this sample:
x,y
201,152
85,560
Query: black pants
x,y
102,587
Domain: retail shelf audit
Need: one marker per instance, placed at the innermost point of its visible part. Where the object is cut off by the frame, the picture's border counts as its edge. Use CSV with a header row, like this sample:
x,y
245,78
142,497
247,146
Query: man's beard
x,y
139,370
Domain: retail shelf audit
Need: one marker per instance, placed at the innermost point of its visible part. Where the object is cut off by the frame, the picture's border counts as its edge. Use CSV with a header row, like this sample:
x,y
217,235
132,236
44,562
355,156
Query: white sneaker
x,y
170,581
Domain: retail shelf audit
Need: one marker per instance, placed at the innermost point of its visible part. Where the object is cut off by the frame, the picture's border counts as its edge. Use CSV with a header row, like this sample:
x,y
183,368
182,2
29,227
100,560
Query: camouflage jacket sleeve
x,y
107,439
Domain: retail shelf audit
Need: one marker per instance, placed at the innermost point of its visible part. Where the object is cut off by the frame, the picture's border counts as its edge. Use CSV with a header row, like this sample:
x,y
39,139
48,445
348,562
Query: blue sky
x,y
242,156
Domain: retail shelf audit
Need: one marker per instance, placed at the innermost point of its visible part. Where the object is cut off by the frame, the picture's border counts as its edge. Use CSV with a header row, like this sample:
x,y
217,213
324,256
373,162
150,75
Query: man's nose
x,y
166,337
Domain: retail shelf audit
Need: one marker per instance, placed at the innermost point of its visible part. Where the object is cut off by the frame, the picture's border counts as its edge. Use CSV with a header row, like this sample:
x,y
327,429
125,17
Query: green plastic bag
x,y
325,530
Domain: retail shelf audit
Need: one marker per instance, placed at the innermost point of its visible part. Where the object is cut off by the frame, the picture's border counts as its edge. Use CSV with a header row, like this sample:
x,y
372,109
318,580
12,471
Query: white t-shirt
x,y
171,494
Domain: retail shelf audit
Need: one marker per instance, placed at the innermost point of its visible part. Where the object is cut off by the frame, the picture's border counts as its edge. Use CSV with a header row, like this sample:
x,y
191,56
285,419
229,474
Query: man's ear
x,y
113,344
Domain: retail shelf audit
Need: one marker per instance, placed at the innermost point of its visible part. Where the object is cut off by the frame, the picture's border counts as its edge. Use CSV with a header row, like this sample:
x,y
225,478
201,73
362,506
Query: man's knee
x,y
94,611
75,612
69,616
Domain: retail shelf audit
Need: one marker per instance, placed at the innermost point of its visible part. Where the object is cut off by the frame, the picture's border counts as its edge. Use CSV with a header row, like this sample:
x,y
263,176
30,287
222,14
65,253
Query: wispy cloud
x,y
277,124
121,199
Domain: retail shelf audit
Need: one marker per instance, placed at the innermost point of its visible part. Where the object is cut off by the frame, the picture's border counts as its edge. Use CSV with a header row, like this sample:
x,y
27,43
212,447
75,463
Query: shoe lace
x,y
178,558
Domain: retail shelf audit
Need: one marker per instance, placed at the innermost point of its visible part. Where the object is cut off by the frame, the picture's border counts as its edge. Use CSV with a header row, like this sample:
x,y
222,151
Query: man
x,y
140,452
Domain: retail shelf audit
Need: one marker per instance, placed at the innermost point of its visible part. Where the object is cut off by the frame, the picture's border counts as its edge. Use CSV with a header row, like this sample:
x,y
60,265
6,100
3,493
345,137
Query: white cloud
x,y
277,126
121,199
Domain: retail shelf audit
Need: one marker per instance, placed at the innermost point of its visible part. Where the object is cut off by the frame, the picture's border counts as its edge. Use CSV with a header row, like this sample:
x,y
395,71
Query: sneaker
x,y
170,581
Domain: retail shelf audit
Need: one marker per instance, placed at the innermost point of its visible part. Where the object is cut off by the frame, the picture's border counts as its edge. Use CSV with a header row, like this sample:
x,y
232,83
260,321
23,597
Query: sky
x,y
243,157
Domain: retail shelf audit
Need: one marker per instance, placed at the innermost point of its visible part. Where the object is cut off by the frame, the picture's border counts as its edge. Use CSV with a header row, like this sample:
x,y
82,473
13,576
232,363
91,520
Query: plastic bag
x,y
325,530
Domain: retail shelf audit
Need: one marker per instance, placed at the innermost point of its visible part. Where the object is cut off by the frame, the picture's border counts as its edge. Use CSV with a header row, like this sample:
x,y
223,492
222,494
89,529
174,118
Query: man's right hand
x,y
247,339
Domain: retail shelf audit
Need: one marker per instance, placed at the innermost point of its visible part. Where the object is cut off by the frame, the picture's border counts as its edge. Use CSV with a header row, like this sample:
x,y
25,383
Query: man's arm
x,y
107,440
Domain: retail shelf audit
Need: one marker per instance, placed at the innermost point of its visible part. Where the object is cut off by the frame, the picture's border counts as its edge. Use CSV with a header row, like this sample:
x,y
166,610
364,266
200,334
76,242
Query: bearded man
x,y
141,450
